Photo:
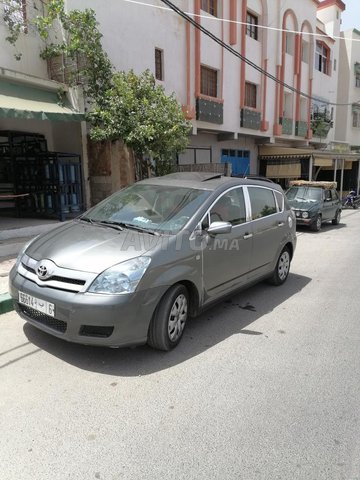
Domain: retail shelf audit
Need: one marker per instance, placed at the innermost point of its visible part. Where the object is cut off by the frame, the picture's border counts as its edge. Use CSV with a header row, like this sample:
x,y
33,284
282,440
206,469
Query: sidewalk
x,y
14,233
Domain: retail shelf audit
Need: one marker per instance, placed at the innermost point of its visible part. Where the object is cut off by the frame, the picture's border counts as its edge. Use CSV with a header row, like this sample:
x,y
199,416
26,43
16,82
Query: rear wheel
x,y
336,220
282,268
316,225
168,323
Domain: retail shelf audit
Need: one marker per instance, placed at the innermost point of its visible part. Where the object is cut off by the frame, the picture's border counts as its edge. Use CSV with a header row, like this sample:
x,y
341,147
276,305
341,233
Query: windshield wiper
x,y
103,223
131,226
119,225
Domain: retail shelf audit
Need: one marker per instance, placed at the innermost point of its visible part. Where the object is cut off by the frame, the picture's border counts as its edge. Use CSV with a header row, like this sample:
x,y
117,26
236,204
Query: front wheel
x,y
282,268
168,323
316,225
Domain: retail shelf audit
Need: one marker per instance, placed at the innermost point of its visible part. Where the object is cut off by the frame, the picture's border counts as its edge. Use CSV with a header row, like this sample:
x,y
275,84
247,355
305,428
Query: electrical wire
x,y
237,22
227,47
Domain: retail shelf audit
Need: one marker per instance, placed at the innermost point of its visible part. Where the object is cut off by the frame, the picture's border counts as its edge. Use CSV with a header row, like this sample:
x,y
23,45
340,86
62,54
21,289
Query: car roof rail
x,y
254,177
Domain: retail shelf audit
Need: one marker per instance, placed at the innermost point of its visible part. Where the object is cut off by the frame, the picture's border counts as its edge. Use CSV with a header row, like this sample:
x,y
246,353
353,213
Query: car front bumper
x,y
90,319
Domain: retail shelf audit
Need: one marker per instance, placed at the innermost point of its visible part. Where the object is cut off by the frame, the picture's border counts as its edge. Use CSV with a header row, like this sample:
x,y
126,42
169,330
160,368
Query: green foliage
x,y
15,20
320,127
81,43
138,111
122,105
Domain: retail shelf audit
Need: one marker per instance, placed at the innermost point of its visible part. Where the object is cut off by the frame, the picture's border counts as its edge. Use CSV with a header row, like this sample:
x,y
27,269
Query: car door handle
x,y
281,224
247,235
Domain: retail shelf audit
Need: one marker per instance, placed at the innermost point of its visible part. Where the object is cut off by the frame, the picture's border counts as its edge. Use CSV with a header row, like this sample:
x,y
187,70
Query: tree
x,y
120,105
138,111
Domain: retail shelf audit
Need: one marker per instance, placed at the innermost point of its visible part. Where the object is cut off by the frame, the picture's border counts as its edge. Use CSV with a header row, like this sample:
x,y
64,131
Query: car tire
x,y
282,268
336,220
169,319
316,225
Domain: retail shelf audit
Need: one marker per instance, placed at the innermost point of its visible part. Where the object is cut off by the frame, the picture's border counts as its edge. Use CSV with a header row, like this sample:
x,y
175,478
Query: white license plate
x,y
37,304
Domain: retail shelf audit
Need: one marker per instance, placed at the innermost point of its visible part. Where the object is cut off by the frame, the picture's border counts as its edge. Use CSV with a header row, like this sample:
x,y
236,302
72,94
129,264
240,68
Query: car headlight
x,y
305,215
121,278
23,250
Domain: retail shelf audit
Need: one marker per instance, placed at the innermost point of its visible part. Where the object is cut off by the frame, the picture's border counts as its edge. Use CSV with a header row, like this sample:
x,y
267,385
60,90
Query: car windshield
x,y
152,208
304,194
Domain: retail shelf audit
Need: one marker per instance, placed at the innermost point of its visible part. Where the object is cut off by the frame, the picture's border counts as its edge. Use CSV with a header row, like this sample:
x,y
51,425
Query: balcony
x,y
250,119
209,111
287,125
301,128
320,124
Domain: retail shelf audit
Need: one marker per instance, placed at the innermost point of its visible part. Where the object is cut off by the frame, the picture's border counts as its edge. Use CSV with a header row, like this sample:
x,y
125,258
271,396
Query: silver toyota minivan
x,y
132,269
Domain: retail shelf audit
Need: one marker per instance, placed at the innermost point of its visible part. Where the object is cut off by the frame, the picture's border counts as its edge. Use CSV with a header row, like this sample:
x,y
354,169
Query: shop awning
x,y
32,103
283,170
323,162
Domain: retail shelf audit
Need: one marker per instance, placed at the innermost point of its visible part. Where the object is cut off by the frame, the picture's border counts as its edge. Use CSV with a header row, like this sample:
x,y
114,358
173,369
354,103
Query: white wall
x,y
28,44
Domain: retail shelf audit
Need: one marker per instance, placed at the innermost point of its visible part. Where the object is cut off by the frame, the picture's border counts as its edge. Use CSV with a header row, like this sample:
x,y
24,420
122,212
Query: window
x,y
280,201
15,14
250,95
159,64
305,51
356,119
209,81
357,80
322,58
252,25
334,195
262,202
209,6
230,208
289,43
334,64
288,105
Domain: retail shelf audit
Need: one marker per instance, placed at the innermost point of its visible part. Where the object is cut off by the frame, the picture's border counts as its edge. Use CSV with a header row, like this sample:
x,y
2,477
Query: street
x,y
263,386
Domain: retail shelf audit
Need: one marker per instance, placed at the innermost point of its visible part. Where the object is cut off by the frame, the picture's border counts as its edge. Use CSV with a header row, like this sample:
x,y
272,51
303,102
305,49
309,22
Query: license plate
x,y
37,304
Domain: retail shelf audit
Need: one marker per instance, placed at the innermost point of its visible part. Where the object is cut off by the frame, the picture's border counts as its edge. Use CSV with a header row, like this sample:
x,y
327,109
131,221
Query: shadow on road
x,y
230,317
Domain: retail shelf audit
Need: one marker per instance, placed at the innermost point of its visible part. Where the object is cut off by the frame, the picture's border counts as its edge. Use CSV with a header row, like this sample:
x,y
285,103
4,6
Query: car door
x,y
226,257
269,228
328,205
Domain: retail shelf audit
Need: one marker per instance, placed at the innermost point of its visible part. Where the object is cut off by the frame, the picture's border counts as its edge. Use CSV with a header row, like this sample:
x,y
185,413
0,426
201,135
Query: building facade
x,y
262,96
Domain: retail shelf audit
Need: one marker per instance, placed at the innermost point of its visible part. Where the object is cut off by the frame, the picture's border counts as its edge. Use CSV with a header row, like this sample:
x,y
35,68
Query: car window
x,y
161,208
327,195
280,200
262,202
334,195
230,208
305,194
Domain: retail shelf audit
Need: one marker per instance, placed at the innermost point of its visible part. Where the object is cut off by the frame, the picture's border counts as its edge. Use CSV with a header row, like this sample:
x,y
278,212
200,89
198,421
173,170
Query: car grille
x,y
57,278
44,319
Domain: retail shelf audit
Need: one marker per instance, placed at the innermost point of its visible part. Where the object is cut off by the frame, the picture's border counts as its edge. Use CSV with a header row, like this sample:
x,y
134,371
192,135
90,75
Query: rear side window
x,y
280,200
262,202
334,195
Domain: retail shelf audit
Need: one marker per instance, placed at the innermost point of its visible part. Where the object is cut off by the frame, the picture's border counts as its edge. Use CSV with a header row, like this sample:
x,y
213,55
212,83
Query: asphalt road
x,y
264,386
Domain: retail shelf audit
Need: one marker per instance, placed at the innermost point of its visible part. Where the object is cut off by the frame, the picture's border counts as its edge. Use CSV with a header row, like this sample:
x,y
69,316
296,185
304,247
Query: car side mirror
x,y
219,227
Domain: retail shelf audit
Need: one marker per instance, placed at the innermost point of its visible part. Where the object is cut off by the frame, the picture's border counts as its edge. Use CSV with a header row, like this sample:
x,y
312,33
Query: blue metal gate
x,y
239,159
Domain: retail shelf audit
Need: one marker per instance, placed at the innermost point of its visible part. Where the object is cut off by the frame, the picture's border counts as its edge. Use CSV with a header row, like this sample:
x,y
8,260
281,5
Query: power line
x,y
245,59
237,22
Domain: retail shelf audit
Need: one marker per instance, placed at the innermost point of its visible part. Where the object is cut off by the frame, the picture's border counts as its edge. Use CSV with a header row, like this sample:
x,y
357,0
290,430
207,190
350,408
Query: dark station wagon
x,y
314,203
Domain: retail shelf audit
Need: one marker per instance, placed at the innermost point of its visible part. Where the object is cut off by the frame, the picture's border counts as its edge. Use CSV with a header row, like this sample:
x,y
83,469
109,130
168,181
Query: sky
x,y
351,16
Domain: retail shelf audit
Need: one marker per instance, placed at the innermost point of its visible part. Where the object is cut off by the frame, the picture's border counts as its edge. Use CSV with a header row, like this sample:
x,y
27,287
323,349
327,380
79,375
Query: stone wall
x,y
111,167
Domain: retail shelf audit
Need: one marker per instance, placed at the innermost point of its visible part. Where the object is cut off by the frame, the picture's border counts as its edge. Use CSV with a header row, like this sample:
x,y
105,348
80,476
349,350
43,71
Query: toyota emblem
x,y
44,269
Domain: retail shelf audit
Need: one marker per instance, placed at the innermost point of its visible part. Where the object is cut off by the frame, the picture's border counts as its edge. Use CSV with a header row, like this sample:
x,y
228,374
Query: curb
x,y
6,303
